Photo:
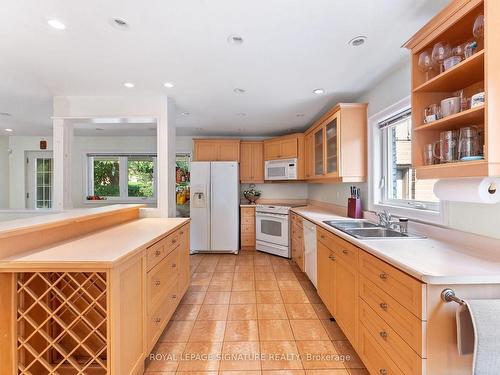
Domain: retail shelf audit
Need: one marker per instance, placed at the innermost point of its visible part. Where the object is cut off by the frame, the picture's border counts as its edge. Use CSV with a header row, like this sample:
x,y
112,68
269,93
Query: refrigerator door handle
x,y
210,209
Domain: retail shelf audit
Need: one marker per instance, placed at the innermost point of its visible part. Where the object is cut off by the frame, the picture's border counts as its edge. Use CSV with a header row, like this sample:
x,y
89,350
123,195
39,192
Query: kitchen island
x,y
95,296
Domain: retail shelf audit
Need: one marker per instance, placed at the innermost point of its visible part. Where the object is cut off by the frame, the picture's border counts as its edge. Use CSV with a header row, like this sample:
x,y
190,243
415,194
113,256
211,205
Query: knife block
x,y
354,208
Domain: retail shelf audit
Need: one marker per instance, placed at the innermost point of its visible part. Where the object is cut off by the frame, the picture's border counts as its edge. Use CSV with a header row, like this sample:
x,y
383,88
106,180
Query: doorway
x,y
39,179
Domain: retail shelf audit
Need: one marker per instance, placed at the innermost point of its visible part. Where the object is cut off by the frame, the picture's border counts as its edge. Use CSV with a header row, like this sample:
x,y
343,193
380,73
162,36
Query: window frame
x,y
378,152
123,181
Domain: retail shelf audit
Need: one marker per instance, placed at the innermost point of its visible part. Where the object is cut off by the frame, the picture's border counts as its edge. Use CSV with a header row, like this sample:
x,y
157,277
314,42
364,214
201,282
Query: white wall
x,y
4,172
280,190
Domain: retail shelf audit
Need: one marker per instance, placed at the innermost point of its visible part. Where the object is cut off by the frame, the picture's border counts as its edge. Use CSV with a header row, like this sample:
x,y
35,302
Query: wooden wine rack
x,y
62,320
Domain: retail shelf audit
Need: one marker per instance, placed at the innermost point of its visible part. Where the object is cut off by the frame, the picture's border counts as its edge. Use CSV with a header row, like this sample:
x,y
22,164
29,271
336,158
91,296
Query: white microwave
x,y
284,169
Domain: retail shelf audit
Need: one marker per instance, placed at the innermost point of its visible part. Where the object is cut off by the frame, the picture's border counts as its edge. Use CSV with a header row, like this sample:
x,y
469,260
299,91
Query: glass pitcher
x,y
469,144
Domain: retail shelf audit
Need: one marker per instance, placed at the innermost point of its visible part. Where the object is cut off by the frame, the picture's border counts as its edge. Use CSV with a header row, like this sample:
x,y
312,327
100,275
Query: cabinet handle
x,y
157,253
174,296
174,265
383,334
181,232
345,251
322,236
332,257
383,306
174,240
384,276
157,282
383,371
157,320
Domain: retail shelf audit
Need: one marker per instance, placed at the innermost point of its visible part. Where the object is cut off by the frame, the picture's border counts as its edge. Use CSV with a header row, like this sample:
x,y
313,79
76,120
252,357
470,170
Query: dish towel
x,y
478,332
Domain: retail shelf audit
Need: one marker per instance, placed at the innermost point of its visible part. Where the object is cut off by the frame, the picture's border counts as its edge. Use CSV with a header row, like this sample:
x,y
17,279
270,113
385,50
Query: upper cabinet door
x,y
258,162
246,162
288,148
309,152
229,151
332,146
272,150
205,151
318,152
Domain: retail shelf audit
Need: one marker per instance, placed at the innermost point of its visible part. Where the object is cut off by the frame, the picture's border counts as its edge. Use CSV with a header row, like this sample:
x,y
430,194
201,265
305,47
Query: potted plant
x,y
252,194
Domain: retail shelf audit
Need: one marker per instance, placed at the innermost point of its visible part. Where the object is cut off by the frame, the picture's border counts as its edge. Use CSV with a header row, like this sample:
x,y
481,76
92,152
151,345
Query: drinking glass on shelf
x,y
459,50
429,154
441,52
425,63
478,28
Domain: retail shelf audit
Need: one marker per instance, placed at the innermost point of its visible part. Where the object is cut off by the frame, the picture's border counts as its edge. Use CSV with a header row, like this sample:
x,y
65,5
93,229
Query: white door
x,y
272,228
224,205
199,209
39,185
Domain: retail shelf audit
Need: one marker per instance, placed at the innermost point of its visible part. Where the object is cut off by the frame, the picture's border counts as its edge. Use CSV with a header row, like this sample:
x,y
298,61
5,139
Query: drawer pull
x,y
174,240
384,306
383,334
384,276
157,282
181,232
157,253
174,265
173,296
383,371
345,251
157,320
322,236
332,257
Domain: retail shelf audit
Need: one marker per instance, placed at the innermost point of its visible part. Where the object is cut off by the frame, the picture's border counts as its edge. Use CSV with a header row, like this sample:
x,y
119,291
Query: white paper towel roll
x,y
475,190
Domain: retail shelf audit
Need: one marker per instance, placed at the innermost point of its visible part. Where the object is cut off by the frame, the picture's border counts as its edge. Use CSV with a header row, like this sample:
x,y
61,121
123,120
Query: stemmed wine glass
x,y
441,52
478,28
425,63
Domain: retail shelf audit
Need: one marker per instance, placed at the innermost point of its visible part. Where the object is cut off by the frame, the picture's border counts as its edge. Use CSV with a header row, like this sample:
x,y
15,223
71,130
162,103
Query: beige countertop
x,y
8,228
102,249
431,260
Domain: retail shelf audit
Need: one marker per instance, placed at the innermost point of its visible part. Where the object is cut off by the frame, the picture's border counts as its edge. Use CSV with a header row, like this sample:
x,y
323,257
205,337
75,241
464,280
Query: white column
x,y
63,142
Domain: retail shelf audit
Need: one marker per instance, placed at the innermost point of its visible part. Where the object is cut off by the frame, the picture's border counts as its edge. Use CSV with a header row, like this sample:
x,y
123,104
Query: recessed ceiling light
x,y
299,115
318,91
129,85
185,113
119,23
235,39
99,129
168,85
357,41
239,91
56,24
241,114
5,114
9,130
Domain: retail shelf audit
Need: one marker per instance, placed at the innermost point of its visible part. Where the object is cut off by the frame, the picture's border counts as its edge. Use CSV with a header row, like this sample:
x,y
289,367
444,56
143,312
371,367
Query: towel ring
x,y
448,295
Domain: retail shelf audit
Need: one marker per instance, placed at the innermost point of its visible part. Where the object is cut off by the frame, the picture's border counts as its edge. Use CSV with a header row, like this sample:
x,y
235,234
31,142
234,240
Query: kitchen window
x,y
122,177
396,186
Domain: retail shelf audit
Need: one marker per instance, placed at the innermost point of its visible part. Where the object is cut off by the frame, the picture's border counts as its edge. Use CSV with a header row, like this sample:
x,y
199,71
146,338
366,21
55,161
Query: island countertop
x,y
431,260
101,249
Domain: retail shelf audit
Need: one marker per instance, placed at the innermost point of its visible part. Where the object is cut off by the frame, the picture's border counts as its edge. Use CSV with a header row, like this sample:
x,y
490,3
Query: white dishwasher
x,y
310,255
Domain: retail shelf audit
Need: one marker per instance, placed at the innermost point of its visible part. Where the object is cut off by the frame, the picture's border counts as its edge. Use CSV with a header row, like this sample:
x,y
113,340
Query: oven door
x,y
272,228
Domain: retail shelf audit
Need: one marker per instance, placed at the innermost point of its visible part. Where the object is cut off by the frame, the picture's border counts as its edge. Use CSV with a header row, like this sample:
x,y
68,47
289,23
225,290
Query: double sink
x,y
365,230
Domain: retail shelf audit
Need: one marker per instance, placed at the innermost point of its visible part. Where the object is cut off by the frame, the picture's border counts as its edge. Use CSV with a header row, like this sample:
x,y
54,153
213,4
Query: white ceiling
x,y
290,48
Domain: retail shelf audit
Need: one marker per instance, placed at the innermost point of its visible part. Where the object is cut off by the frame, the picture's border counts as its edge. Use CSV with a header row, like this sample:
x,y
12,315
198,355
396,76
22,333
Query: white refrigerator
x,y
214,207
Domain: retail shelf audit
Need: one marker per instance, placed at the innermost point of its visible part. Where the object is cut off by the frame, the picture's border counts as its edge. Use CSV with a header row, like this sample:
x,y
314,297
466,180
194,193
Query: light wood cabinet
x,y
477,73
297,242
336,146
247,232
346,298
216,150
326,275
286,147
251,162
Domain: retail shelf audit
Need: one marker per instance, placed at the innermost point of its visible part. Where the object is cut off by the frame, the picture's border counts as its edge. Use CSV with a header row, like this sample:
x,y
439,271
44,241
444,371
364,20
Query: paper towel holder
x,y
448,295
492,189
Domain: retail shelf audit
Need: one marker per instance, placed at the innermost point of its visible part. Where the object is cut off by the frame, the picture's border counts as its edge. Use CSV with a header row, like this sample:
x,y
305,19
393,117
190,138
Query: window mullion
x,y
123,180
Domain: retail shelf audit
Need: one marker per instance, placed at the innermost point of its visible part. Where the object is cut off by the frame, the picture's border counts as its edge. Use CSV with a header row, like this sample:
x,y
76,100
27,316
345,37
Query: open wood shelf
x,y
476,168
473,116
467,72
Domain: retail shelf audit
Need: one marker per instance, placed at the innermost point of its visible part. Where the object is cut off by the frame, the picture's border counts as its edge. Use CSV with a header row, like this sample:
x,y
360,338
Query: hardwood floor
x,y
251,314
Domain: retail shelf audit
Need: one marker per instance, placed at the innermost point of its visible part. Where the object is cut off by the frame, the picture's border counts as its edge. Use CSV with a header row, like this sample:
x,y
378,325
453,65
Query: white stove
x,y
272,228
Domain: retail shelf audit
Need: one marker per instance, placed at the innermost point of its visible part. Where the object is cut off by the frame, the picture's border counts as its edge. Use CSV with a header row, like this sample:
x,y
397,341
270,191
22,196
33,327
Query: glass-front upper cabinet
x,y
332,148
318,152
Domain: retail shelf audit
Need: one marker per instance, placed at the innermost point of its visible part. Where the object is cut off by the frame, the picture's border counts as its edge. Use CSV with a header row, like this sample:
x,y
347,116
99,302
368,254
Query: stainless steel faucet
x,y
385,220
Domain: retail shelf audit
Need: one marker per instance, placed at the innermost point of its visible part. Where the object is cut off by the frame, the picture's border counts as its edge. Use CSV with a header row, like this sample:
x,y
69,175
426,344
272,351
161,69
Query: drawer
x,y
395,347
327,238
297,232
247,212
406,325
374,358
345,251
297,219
172,241
155,253
160,278
408,291
247,240
156,320
248,229
248,220
184,235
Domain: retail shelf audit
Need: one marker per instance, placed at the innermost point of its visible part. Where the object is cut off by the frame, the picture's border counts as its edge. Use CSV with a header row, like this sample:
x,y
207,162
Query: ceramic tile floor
x,y
252,314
